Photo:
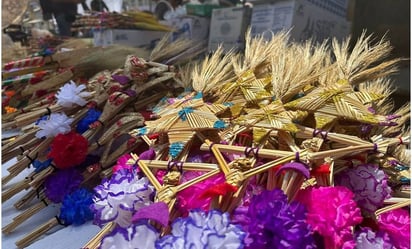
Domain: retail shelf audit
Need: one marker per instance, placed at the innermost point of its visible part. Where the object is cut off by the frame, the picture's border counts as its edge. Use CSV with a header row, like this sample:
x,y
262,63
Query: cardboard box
x,y
309,19
134,38
201,9
228,27
190,27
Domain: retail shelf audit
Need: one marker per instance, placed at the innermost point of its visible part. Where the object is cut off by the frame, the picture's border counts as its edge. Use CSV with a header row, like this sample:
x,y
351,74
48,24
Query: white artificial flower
x,y
71,94
58,123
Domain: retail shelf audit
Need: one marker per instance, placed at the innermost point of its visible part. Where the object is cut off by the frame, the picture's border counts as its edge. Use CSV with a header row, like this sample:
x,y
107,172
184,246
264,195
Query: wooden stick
x,y
219,157
21,218
306,132
143,166
157,164
266,166
28,197
393,207
197,179
263,153
22,185
94,243
29,70
32,236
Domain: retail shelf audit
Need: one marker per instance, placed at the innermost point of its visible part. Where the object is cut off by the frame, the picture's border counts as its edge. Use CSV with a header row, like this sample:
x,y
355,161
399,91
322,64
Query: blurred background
x,y
383,18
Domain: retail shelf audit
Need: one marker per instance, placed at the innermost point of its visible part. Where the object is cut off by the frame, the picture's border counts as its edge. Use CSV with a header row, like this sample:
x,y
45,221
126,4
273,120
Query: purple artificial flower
x,y
140,236
368,239
120,197
75,207
368,183
202,231
274,223
61,183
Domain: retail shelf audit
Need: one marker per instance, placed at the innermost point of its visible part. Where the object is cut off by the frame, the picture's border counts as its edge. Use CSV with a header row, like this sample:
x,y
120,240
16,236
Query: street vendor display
x,y
286,145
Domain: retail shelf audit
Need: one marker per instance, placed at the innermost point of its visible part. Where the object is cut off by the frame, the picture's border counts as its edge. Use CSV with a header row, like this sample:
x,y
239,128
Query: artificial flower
x,y
40,166
397,223
62,182
122,163
140,236
70,94
271,222
368,239
368,183
57,123
191,198
201,230
332,213
92,115
75,207
120,197
68,150
158,211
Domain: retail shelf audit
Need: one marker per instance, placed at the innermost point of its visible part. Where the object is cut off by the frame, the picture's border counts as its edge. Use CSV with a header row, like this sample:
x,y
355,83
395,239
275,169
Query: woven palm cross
x,y
338,101
167,191
247,87
182,119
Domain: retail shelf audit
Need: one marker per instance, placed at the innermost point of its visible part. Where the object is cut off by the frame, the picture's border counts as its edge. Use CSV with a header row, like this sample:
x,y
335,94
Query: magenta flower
x,y
332,212
397,223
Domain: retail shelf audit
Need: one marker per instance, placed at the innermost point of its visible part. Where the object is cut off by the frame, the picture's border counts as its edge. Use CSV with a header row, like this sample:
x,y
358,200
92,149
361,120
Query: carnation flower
x,y
58,123
75,207
201,230
332,212
61,183
68,150
397,223
71,94
274,223
140,236
122,163
368,239
190,198
368,183
120,197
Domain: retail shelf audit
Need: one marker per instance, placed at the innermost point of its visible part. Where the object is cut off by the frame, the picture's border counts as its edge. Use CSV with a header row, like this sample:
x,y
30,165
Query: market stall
x,y
261,142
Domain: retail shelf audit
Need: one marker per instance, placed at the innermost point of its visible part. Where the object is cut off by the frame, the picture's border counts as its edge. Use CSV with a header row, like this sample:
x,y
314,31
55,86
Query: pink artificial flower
x,y
397,223
189,198
122,163
332,212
